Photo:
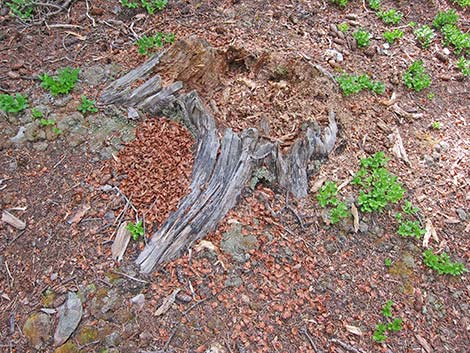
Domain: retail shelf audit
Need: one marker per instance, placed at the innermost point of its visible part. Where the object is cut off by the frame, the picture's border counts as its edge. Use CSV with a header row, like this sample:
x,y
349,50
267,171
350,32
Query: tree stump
x,y
222,166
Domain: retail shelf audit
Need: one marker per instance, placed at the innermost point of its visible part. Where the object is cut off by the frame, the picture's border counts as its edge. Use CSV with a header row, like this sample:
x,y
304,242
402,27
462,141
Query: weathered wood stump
x,y
223,166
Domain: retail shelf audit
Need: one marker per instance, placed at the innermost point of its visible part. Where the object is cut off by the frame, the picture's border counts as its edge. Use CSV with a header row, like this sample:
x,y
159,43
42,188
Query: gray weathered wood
x,y
221,168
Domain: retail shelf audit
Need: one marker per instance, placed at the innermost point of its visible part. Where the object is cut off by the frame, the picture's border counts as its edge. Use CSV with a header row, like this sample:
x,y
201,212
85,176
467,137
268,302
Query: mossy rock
x,y
87,335
68,347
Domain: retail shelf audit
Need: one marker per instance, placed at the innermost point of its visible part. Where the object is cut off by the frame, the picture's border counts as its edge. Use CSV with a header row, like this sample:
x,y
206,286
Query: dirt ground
x,y
294,282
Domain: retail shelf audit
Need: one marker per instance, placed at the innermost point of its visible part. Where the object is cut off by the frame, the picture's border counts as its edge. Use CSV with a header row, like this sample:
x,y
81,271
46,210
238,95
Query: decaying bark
x,y
222,167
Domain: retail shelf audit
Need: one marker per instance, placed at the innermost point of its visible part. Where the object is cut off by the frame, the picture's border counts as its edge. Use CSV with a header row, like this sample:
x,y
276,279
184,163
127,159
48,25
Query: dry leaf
x,y
430,232
390,101
398,149
204,244
8,218
355,215
120,242
77,217
354,330
317,184
424,344
167,303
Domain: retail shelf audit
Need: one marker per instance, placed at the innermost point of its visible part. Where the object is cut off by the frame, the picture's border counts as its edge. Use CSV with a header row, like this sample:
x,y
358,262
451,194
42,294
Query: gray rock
x,y
409,260
61,101
436,156
238,245
444,146
138,300
20,136
37,330
67,121
93,75
462,214
40,146
363,227
113,339
428,160
33,132
334,54
70,314
234,281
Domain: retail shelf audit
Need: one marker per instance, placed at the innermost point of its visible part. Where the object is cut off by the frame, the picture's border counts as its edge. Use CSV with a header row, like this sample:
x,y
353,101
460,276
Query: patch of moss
x,y
87,335
48,297
68,347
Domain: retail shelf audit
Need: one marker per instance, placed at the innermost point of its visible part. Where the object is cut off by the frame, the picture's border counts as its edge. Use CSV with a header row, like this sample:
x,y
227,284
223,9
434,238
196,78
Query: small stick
x,y
130,277
346,346
88,14
304,330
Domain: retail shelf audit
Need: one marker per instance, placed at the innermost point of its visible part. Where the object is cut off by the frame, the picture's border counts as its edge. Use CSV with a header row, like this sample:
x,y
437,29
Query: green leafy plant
x,y
374,4
378,186
391,36
150,6
23,9
47,122
340,3
464,66
387,309
442,264
395,325
343,27
463,3
416,77
443,18
136,229
408,208
13,103
424,35
455,37
362,38
327,194
62,83
36,113
409,228
431,95
338,212
436,125
87,106
381,329
144,44
391,16
388,262
350,84
412,24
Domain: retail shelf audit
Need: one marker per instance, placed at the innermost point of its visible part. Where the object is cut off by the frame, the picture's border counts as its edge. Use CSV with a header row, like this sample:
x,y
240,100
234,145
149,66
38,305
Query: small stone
x,y
428,160
436,156
37,330
70,314
444,146
409,260
446,51
386,46
20,135
69,347
334,54
234,281
138,300
462,214
363,227
40,146
54,276
113,339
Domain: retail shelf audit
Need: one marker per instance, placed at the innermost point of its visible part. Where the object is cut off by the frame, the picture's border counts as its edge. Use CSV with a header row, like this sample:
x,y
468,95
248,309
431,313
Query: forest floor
x,y
276,275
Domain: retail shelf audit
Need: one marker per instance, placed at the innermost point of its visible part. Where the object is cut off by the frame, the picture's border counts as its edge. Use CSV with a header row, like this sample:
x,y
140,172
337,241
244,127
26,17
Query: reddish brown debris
x,y
157,168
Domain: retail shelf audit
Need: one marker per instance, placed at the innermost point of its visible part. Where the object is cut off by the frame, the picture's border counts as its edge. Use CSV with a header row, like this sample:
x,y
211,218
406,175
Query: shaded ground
x,y
266,282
